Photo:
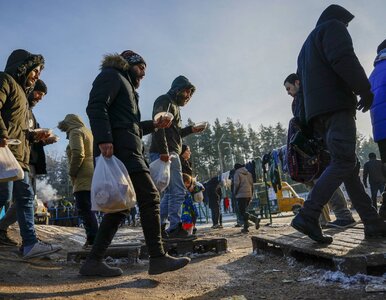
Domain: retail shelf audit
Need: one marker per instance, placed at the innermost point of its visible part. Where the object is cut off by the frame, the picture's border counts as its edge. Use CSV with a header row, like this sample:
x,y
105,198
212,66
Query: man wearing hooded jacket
x,y
331,77
166,144
378,110
37,162
16,82
116,125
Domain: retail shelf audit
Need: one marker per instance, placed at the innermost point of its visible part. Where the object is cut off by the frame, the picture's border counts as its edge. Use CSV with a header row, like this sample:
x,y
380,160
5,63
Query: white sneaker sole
x,y
41,253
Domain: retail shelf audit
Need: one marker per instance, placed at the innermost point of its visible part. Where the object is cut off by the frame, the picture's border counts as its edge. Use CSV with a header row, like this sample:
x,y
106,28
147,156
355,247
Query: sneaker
x,y
5,239
244,230
180,234
167,263
238,225
40,249
217,226
99,268
341,224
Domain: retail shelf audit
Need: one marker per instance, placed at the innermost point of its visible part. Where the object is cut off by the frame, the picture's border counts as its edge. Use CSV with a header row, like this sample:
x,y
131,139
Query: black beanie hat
x,y
40,86
238,166
132,57
381,46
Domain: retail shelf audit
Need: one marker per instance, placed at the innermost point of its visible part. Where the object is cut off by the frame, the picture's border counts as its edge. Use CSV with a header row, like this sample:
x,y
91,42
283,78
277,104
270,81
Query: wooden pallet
x,y
181,247
349,252
133,251
130,251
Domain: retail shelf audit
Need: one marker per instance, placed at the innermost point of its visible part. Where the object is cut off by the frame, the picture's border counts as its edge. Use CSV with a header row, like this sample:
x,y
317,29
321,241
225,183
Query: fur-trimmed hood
x,y
115,61
20,63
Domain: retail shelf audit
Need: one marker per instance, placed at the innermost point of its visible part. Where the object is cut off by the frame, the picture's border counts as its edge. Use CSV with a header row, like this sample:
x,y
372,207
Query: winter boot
x,y
311,228
99,268
167,263
375,229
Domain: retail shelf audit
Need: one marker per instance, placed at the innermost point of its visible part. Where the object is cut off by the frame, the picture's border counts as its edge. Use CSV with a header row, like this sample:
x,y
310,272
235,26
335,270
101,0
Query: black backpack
x,y
306,157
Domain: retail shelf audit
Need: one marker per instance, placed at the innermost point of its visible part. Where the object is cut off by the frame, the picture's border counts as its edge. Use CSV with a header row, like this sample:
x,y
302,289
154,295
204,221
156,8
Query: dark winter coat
x,y
170,139
186,166
14,118
378,87
374,170
213,192
114,114
328,68
37,155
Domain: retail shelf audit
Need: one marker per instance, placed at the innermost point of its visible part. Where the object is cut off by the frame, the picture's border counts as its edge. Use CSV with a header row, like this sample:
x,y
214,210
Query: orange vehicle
x,y
288,199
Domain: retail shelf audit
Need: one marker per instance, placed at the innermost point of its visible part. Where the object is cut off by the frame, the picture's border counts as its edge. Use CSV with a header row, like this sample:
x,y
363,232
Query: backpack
x,y
306,157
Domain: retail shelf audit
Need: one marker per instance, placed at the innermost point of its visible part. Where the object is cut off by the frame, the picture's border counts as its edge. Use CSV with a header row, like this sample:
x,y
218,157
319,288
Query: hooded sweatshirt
x,y
170,139
79,152
13,102
243,183
378,87
328,68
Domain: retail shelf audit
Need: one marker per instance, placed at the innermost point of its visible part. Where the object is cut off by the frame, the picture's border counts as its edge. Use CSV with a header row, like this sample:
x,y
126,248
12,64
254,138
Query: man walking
x,y
166,144
374,170
243,191
18,79
337,203
378,110
81,169
331,76
115,121
37,163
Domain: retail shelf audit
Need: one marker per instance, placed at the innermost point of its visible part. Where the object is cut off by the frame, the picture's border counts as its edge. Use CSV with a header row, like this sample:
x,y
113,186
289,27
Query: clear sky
x,y
236,52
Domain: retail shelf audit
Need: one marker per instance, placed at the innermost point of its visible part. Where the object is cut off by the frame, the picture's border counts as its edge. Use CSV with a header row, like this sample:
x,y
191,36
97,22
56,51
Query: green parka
x,y
14,104
79,152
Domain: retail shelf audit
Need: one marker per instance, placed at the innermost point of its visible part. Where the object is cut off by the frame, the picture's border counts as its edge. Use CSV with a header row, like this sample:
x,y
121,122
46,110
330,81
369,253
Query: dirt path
x,y
238,272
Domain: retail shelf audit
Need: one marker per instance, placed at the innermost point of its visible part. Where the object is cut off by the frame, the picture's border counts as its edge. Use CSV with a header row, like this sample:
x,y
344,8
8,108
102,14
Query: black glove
x,y
365,102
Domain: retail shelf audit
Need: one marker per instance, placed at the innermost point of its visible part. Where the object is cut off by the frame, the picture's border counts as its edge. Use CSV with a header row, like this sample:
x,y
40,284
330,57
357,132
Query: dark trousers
x,y
374,188
216,214
83,205
382,151
243,204
148,203
338,131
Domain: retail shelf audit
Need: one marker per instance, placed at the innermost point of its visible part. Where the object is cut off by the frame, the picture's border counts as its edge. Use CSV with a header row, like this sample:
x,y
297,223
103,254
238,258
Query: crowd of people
x,y
324,89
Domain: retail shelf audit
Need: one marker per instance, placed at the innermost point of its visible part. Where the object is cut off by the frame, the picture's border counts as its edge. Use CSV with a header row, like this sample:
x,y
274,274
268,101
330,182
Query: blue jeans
x,y
23,195
338,132
174,194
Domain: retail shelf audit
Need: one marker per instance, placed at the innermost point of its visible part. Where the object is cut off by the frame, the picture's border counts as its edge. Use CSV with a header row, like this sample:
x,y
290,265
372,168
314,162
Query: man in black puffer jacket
x,y
331,77
116,125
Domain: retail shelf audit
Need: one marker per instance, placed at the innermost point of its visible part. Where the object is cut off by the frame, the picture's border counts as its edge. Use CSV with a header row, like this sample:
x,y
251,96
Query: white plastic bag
x,y
10,169
111,187
160,173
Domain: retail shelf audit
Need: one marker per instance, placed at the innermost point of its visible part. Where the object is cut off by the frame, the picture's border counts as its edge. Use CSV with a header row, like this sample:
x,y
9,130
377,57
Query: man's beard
x,y
134,78
181,100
